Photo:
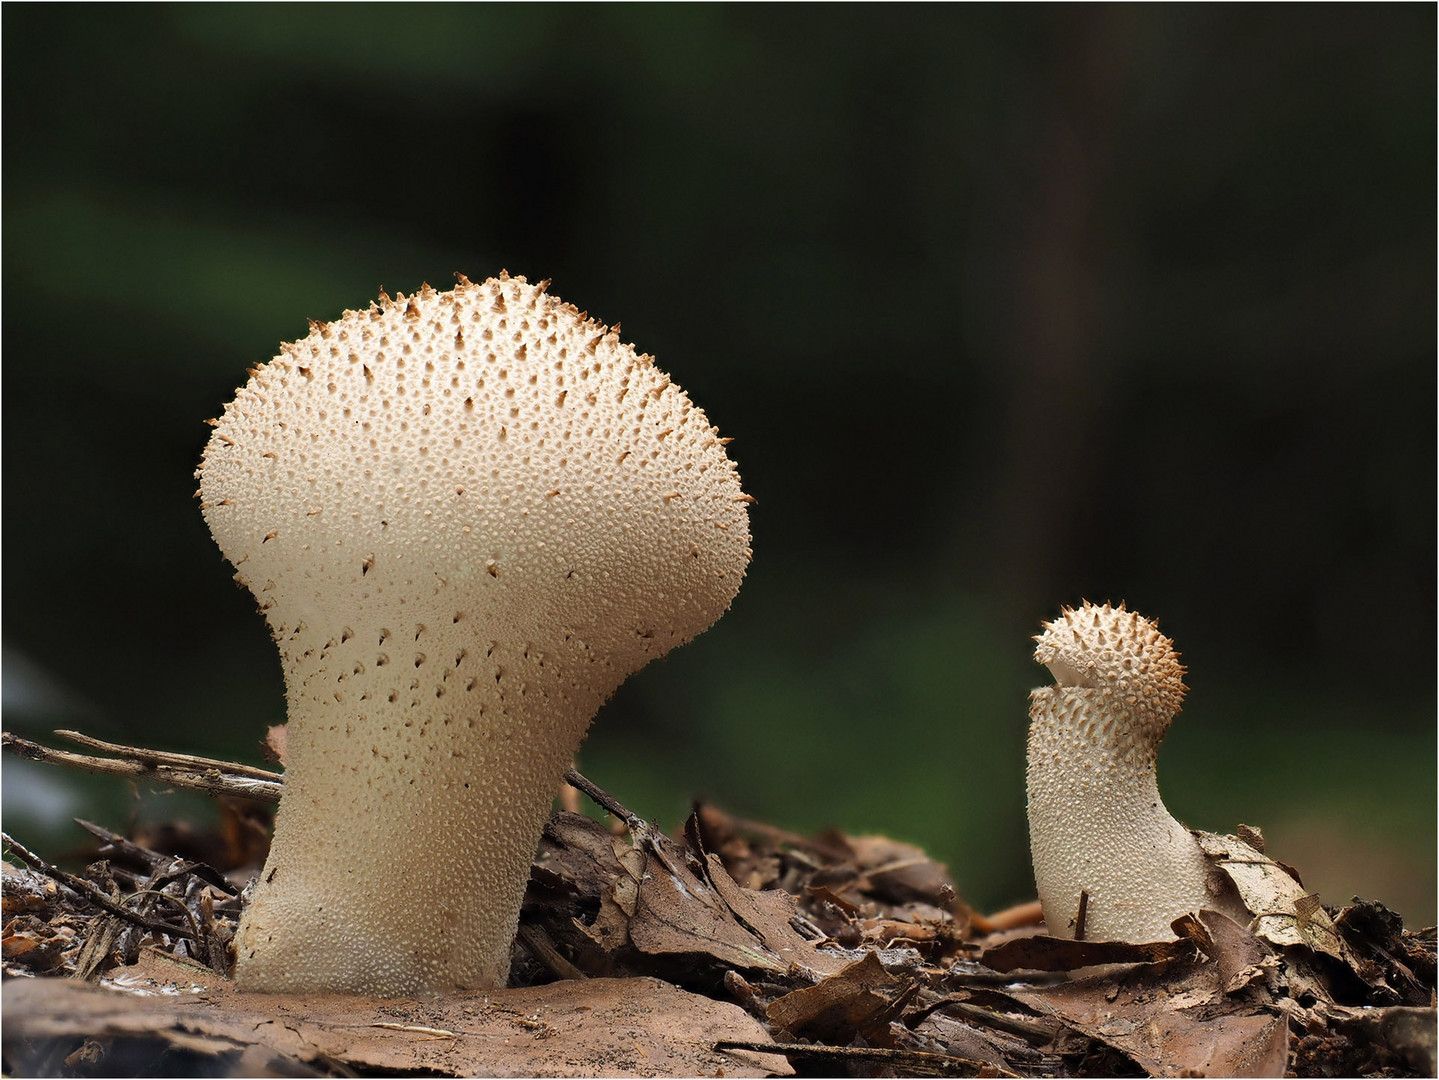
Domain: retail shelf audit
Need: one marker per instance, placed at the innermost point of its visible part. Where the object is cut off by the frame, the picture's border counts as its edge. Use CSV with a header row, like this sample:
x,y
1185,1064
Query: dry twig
x,y
176,770
92,892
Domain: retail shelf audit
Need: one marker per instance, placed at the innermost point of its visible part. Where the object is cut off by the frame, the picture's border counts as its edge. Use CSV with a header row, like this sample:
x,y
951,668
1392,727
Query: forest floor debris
x,y
733,947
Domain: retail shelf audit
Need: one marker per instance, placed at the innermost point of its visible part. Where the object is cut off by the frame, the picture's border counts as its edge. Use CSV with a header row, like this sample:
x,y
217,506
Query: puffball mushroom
x,y
1097,826
467,517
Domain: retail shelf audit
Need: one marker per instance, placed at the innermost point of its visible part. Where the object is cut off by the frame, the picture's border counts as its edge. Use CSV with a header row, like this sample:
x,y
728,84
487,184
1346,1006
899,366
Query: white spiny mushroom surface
x,y
467,516
1096,821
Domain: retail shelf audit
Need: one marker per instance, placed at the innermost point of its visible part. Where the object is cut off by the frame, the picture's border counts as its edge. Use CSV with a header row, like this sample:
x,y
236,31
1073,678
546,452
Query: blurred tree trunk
x,y
1059,243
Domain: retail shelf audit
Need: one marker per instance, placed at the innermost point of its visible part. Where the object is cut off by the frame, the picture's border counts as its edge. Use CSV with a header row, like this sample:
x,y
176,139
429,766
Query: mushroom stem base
x,y
399,880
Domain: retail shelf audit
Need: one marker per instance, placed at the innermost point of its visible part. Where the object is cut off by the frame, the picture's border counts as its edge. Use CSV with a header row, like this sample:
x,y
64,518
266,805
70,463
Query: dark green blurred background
x,y
1004,307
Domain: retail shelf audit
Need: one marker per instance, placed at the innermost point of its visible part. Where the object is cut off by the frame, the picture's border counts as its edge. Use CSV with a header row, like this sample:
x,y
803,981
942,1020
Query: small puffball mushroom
x,y
467,517
1097,826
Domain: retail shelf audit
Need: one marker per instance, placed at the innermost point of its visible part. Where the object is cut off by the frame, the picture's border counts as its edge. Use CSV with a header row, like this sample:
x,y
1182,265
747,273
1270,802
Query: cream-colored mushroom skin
x,y
1097,825
467,516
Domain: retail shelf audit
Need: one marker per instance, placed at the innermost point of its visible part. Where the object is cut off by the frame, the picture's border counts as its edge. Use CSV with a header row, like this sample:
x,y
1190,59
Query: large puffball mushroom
x,y
467,517
1100,836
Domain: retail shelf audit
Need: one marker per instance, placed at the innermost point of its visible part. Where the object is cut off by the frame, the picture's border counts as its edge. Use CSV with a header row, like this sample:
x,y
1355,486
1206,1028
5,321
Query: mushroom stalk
x,y
1098,828
467,518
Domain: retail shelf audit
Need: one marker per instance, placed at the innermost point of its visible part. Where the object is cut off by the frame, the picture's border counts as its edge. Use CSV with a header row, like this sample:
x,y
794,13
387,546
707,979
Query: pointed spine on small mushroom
x,y
467,517
1100,836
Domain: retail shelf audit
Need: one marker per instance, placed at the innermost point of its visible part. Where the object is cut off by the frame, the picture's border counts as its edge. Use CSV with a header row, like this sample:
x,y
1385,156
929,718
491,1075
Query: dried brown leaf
x,y
1043,953
1241,957
594,1027
843,1002
1171,1020
1284,914
688,905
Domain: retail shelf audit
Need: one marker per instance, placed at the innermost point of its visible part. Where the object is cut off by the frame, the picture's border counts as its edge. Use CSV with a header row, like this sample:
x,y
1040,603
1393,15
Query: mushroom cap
x,y
490,440
1118,652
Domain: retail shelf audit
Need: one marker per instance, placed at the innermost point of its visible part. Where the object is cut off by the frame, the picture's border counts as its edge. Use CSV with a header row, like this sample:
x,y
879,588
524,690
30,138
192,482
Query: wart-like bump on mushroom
x,y
403,843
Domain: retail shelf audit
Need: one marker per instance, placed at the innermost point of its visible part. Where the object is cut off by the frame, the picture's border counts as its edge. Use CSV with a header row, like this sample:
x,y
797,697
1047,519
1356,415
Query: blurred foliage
x,y
1005,307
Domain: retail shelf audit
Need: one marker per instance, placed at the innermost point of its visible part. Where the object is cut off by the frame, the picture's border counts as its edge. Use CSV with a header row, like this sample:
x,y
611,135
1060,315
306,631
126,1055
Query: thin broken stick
x,y
603,798
215,776
165,757
177,770
1011,918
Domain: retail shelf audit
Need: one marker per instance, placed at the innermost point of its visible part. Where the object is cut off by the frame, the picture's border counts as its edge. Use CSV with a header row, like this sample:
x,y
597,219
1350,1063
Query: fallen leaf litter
x,y
733,948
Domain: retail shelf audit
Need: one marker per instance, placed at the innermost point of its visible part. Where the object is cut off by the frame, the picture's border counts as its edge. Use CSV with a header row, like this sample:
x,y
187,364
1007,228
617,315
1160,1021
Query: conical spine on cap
x,y
467,517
